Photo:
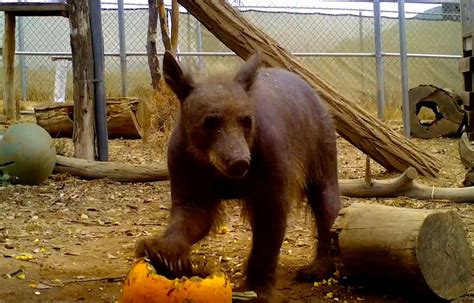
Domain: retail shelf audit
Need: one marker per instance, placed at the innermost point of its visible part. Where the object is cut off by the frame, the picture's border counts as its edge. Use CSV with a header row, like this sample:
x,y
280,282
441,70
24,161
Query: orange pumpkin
x,y
143,284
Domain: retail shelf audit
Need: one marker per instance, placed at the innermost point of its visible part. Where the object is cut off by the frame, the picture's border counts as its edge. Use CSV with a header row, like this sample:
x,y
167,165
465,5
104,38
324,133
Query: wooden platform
x,y
56,8
12,9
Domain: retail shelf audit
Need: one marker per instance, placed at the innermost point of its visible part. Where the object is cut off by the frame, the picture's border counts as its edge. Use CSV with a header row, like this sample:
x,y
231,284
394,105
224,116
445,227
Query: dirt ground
x,y
81,234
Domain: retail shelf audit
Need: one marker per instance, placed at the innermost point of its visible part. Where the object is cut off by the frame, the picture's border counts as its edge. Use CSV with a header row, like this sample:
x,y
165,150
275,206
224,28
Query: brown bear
x,y
259,135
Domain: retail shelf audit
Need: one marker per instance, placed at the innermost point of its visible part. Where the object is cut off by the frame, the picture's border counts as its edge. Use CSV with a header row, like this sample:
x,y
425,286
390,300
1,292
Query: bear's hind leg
x,y
324,203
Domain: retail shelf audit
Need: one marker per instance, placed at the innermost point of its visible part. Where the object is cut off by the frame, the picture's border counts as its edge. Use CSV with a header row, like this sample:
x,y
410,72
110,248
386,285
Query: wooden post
x,y
11,107
174,26
153,60
83,75
165,37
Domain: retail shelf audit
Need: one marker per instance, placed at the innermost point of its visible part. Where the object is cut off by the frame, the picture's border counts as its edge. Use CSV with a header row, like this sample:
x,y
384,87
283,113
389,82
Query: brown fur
x,y
260,136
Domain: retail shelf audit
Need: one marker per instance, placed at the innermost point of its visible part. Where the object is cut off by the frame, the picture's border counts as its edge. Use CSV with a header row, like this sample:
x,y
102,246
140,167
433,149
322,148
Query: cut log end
x,y
444,255
421,250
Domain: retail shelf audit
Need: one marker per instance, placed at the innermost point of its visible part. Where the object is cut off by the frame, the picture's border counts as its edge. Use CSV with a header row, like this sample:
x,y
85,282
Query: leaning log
x,y
367,133
115,171
419,249
127,118
403,185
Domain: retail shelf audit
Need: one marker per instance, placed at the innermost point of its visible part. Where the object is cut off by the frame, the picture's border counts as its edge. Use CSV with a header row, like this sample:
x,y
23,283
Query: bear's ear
x,y
180,82
246,75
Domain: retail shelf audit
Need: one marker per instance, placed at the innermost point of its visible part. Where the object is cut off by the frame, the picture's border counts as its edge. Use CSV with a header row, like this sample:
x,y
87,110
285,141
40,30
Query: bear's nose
x,y
238,168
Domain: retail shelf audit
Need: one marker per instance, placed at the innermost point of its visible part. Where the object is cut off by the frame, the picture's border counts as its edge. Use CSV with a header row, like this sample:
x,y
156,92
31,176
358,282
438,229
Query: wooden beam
x,y
83,77
35,8
10,107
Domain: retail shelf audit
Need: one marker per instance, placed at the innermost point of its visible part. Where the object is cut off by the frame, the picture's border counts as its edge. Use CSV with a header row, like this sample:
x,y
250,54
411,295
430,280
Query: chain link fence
x,y
337,43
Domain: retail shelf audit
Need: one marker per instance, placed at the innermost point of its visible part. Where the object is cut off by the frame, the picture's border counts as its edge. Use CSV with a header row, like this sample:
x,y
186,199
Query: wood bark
x,y
153,60
11,107
466,150
446,106
413,248
127,118
366,132
403,185
165,37
115,171
174,26
83,77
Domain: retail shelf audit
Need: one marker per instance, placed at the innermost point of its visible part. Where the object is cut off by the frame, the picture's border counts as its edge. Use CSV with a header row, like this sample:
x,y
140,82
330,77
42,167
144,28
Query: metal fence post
x,y
21,59
379,61
404,67
99,92
199,46
362,65
123,47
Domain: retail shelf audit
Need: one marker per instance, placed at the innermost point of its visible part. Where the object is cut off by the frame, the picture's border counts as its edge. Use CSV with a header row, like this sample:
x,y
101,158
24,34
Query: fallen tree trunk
x,y
370,135
424,250
126,118
115,171
403,185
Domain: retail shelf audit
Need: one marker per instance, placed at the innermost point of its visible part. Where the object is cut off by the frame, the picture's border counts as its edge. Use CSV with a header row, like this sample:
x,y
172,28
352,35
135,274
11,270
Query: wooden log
x,y
446,106
419,249
115,171
83,77
127,118
11,107
466,150
404,185
57,120
366,132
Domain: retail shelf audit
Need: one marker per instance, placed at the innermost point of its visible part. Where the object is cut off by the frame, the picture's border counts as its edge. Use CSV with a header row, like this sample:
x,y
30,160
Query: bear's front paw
x,y
169,257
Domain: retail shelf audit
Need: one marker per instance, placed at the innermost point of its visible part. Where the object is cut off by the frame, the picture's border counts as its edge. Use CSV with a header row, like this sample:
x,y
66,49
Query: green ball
x,y
27,154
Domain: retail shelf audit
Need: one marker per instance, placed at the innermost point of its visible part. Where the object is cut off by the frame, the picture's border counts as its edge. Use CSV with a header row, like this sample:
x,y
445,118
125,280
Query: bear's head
x,y
217,115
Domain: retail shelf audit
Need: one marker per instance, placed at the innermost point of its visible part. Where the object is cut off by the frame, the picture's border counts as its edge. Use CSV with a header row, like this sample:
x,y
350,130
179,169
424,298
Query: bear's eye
x,y
246,122
212,122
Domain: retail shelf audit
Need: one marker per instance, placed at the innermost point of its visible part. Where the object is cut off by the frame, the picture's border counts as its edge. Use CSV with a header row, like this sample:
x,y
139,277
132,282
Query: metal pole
x,y
189,43
379,61
362,65
99,93
22,63
123,47
199,46
404,67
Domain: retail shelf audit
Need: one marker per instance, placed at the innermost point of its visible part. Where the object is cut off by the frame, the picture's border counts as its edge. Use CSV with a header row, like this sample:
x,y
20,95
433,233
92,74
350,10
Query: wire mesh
x,y
435,29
